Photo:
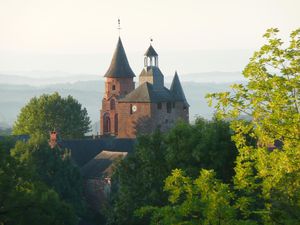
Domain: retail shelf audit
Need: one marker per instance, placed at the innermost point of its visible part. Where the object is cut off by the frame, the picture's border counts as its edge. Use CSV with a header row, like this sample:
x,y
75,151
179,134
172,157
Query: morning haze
x,y
79,36
62,41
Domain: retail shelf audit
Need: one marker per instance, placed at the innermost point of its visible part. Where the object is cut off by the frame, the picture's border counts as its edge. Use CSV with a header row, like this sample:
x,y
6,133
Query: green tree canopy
x,y
139,178
52,112
24,198
205,200
53,167
267,175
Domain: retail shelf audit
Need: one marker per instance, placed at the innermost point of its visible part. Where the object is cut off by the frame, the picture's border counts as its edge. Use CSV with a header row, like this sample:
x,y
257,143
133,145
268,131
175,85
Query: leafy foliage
x,y
52,112
139,179
207,144
266,184
53,167
267,175
24,198
205,200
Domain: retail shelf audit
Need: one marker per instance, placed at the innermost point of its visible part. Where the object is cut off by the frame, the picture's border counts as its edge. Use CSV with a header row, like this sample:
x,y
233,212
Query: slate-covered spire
x,y
150,52
119,66
151,57
177,90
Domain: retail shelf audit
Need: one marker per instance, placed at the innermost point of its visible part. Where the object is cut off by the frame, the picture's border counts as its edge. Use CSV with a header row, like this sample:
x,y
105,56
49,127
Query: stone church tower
x,y
128,111
119,82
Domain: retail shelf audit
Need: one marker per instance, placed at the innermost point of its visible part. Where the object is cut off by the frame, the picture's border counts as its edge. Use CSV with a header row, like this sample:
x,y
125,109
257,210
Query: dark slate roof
x,y
82,151
146,93
102,164
151,71
177,90
119,66
151,52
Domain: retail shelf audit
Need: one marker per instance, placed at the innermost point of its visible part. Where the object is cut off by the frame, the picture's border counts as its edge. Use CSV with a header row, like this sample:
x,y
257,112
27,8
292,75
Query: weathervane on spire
x,y
119,26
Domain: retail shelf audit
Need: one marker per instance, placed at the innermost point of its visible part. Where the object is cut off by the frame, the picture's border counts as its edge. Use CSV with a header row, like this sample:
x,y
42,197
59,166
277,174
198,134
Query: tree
x,y
205,200
24,198
206,144
54,168
267,179
139,179
52,112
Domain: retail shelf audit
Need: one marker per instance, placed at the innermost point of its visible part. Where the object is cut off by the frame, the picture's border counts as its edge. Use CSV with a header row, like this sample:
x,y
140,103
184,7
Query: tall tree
x,y
24,198
53,167
267,175
139,179
52,112
206,144
205,200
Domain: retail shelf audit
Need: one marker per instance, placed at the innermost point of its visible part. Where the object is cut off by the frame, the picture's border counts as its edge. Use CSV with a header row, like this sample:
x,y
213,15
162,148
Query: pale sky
x,y
89,27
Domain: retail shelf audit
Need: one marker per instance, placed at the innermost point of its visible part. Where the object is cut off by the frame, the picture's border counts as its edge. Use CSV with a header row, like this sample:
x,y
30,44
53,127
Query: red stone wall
x,y
130,121
114,88
166,120
148,117
122,86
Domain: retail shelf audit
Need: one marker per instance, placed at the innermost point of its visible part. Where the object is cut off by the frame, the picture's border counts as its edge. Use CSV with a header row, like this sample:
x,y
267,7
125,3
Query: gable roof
x,y
176,90
102,164
119,66
83,150
150,52
146,93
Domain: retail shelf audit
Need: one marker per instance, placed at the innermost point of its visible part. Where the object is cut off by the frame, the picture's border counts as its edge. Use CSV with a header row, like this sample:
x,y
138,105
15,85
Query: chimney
x,y
53,139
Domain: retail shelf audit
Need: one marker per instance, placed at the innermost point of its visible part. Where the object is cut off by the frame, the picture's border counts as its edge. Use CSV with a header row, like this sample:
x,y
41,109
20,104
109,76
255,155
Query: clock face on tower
x,y
134,108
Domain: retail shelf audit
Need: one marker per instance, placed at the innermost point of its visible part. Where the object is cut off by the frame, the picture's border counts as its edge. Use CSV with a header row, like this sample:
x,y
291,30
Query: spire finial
x,y
119,26
151,40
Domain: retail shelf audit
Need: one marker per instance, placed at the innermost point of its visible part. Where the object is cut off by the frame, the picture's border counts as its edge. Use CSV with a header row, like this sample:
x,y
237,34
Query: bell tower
x,y
118,83
151,72
151,57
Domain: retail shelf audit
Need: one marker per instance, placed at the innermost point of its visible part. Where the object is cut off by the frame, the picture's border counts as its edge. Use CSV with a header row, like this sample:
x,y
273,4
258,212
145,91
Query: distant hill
x,y
45,78
89,94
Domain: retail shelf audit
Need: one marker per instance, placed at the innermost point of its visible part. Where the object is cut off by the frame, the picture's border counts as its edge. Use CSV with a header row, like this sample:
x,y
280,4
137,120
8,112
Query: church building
x,y
127,111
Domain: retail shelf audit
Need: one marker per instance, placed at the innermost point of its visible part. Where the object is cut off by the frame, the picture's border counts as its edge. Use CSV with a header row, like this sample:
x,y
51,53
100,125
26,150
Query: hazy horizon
x,y
190,36
184,62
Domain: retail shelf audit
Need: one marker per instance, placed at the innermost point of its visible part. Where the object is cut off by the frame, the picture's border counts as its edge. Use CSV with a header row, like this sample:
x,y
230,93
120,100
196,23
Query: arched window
x,y
106,123
116,124
113,87
112,104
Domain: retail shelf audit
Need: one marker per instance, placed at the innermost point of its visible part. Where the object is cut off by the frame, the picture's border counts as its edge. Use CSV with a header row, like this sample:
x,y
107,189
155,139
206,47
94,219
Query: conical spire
x,y
177,90
119,66
150,52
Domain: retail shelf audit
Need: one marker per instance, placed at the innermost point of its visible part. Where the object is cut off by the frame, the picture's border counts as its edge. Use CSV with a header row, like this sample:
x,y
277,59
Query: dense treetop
x,y
265,188
139,179
34,192
52,112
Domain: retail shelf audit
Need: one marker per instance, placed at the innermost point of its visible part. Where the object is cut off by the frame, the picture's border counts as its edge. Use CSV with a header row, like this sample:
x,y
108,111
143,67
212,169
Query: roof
x,y
146,93
119,66
102,164
82,151
151,71
150,52
177,90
